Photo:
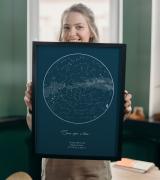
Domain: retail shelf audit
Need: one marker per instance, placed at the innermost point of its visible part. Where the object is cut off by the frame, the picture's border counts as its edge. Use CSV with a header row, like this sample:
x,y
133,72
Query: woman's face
x,y
75,28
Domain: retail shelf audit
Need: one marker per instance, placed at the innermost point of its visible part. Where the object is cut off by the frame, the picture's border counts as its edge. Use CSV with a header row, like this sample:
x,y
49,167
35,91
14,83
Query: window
x,y
44,20
50,14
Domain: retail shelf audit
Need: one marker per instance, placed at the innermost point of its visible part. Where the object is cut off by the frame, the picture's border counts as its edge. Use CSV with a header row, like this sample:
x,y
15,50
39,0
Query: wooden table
x,y
121,174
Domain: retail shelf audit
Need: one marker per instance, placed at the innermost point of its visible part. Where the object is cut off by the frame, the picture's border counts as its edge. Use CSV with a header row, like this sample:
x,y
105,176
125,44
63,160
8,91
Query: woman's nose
x,y
72,31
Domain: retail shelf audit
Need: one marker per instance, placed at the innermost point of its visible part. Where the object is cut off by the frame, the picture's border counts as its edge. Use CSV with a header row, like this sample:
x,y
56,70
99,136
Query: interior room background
x,y
134,22
138,33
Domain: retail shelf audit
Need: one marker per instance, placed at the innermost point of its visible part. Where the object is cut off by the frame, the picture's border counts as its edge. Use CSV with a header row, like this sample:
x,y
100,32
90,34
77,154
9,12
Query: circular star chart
x,y
78,88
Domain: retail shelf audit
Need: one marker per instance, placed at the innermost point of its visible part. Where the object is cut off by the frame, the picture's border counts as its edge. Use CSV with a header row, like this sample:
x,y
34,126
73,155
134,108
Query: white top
x,y
65,169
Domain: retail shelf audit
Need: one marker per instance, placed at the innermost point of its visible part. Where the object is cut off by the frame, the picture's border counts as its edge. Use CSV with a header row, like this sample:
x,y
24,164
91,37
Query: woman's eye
x,y
66,28
79,27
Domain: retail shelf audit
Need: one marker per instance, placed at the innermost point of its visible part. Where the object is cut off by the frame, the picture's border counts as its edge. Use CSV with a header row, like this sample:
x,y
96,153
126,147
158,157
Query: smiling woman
x,y
77,24
44,21
107,12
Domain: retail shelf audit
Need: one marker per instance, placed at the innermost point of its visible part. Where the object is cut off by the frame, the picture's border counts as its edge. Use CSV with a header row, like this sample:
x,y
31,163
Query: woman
x,y
77,25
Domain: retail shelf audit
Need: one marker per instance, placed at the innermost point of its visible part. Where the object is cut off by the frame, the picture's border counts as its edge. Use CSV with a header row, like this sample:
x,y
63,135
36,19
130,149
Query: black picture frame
x,y
78,99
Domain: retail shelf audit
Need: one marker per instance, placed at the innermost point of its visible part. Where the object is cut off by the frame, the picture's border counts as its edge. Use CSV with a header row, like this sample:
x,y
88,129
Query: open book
x,y
134,165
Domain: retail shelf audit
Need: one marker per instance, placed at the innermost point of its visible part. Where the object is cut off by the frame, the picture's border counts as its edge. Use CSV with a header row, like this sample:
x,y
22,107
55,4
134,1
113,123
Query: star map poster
x,y
78,100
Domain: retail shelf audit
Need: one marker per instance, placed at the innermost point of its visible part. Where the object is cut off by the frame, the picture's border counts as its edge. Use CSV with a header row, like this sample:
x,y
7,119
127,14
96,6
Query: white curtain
x,y
155,60
32,32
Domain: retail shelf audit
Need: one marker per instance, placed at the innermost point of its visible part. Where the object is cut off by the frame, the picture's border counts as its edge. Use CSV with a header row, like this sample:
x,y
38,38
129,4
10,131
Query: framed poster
x,y
78,99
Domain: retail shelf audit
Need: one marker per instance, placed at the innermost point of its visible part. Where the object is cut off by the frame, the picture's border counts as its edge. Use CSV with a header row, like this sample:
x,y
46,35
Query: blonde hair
x,y
89,15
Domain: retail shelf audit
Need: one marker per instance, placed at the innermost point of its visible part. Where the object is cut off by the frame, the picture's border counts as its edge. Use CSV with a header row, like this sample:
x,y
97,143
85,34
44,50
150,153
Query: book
x,y
134,165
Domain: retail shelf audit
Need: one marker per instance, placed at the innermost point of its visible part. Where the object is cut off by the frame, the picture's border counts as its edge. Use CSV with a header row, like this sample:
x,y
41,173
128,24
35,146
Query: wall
x,y
137,36
13,27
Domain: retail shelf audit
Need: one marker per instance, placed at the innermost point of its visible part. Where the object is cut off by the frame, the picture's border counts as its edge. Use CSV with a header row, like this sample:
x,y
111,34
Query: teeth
x,y
74,40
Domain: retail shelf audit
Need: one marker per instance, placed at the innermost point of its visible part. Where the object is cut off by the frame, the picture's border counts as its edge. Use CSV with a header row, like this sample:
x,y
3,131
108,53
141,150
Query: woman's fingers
x,y
128,110
28,95
29,87
127,104
127,95
28,102
29,84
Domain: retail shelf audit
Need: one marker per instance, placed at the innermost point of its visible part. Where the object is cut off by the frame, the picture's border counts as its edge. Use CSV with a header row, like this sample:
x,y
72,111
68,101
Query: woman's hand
x,y
127,104
28,102
28,96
